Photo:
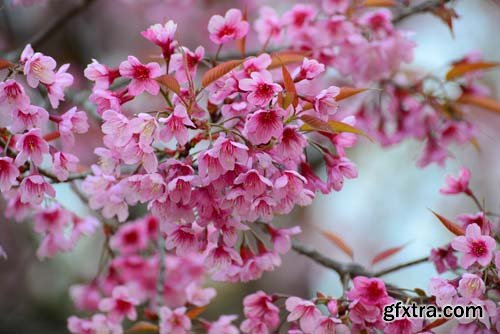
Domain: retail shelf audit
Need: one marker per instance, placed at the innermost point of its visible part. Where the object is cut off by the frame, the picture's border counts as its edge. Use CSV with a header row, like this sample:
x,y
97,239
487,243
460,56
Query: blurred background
x,y
386,206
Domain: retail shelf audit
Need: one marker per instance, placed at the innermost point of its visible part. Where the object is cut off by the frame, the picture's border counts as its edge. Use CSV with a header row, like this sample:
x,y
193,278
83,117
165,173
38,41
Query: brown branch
x,y
424,7
401,266
70,178
351,269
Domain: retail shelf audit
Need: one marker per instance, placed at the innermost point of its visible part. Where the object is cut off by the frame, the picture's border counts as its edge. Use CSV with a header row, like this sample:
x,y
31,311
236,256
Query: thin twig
x,y
351,269
401,266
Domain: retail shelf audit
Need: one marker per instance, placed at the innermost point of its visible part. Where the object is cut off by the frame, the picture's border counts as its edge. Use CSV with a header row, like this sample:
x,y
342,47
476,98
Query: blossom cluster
x,y
30,160
129,289
250,150
478,267
360,308
413,108
358,43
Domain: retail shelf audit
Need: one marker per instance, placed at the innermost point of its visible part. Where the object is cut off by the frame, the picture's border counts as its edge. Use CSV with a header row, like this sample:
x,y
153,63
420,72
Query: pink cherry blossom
x,y
99,323
256,64
324,102
8,174
370,291
223,325
130,238
471,286
33,188
444,292
142,76
73,121
199,296
228,28
268,26
457,185
479,218
174,321
121,304
444,259
299,16
37,67
64,163
474,246
51,219
335,6
337,169
176,125
32,146
261,87
260,306
282,238
27,118
55,90
116,128
303,310
193,58
85,297
309,70
263,125
100,74
163,36
13,93
328,325
229,152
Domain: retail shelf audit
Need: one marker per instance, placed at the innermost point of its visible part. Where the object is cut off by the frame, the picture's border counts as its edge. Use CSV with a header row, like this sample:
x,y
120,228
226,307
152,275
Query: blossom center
x,y
141,72
479,248
264,90
226,31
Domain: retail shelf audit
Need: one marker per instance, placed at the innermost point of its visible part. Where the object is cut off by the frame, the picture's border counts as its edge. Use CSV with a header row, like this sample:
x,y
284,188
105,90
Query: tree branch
x,y
351,269
424,7
401,266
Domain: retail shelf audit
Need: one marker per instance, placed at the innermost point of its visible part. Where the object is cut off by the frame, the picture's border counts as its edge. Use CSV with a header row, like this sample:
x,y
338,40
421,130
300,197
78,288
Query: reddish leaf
x,y
291,91
170,82
339,242
219,71
387,253
344,127
480,101
5,64
195,312
447,15
316,124
286,57
346,92
460,69
434,324
453,228
143,327
380,3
